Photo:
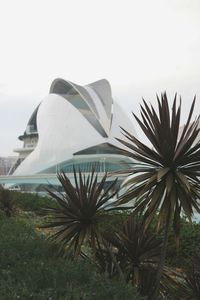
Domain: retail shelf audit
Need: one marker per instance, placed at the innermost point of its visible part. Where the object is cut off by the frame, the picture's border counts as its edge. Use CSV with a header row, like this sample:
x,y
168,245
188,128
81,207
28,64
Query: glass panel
x,y
103,165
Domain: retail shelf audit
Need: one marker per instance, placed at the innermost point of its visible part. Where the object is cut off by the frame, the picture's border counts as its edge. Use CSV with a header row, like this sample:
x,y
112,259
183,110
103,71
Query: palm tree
x,y
189,278
165,181
83,209
137,253
192,277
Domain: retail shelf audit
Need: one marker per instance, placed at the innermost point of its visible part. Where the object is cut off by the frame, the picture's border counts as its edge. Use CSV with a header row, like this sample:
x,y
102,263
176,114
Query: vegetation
x,y
32,269
192,277
137,252
6,202
31,202
82,211
111,251
166,180
25,251
189,245
130,253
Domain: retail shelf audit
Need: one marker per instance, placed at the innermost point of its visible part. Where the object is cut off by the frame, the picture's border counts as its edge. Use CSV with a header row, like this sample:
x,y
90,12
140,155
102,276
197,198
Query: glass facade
x,y
99,165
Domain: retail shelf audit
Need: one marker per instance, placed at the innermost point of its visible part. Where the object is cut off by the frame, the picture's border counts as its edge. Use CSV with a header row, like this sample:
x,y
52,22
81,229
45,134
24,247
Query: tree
x,y
192,277
82,211
165,179
137,253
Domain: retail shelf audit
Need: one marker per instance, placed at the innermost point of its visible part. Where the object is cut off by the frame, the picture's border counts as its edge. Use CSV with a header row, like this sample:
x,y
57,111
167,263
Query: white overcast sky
x,y
142,47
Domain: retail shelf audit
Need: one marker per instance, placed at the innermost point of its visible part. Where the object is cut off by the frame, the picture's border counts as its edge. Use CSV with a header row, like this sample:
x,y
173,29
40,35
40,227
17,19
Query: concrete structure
x,y
6,164
73,126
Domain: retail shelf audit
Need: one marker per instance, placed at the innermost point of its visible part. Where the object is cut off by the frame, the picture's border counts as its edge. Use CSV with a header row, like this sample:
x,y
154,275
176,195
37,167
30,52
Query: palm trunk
x,y
119,270
162,260
116,264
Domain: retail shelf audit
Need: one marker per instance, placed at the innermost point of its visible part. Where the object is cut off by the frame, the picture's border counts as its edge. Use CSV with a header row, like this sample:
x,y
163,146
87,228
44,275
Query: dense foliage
x,y
32,269
31,201
165,180
129,253
192,276
137,252
167,176
6,202
189,244
26,251
82,210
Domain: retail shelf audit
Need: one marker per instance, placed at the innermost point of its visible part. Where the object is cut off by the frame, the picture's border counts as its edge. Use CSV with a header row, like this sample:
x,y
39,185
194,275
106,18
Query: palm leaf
x,y
174,159
81,209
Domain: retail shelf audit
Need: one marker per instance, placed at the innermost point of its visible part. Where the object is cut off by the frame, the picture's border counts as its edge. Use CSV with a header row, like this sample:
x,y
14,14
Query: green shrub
x,y
31,269
32,202
6,202
189,243
192,276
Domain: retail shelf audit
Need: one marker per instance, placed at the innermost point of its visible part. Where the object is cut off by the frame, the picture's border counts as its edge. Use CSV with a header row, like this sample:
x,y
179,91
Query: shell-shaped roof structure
x,y
76,126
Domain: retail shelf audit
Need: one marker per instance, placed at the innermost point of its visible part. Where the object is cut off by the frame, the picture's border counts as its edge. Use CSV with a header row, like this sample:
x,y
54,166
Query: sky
x,y
142,47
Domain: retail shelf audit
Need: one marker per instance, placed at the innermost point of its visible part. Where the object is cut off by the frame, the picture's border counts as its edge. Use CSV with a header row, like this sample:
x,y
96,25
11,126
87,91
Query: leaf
x,y
173,155
183,180
162,172
78,216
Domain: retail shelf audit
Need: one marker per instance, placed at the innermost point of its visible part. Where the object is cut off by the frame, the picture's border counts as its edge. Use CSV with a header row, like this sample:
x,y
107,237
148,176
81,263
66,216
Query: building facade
x,y
74,126
6,164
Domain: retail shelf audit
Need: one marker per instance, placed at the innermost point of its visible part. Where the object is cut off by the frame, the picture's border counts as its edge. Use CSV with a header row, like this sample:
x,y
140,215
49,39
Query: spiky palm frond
x,y
137,252
192,278
166,176
139,247
82,211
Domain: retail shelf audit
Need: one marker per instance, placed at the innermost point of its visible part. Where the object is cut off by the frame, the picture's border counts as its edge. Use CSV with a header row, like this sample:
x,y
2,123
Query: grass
x,y
30,268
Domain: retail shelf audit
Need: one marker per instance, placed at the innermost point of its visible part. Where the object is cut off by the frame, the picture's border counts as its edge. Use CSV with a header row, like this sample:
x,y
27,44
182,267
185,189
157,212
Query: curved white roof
x,y
72,119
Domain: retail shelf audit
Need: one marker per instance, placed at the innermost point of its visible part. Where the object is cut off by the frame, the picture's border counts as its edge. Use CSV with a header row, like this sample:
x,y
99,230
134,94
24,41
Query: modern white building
x,y
6,163
74,126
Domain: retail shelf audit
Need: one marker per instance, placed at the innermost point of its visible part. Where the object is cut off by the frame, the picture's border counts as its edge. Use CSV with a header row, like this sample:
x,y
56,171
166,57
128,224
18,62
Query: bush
x,y
189,244
31,269
6,202
192,276
32,202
